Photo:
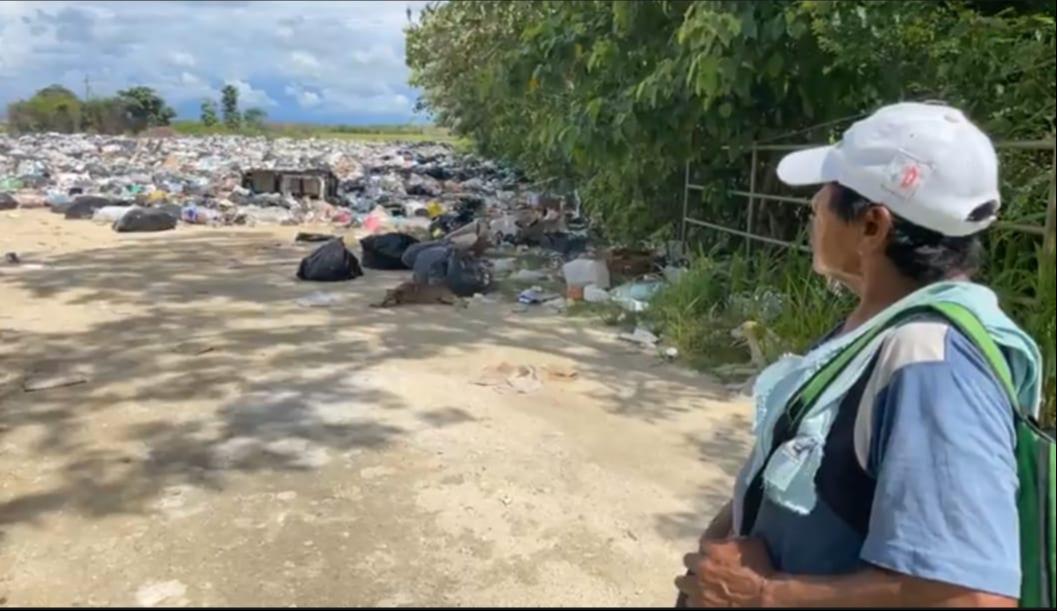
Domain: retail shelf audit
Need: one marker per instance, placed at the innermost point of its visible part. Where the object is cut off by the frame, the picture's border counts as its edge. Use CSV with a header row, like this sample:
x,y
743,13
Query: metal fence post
x,y
751,222
1051,212
686,203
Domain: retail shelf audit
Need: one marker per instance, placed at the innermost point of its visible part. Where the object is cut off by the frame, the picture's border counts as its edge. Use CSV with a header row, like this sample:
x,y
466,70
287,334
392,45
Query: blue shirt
x,y
919,473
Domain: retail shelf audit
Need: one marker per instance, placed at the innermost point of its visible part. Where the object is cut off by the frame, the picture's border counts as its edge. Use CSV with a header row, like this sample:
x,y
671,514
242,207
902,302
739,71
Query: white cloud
x,y
182,60
305,99
303,60
342,57
248,96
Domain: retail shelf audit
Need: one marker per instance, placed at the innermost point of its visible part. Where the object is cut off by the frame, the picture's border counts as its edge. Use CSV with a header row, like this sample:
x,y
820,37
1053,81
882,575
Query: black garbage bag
x,y
84,207
413,251
429,262
385,252
467,275
569,246
331,262
143,220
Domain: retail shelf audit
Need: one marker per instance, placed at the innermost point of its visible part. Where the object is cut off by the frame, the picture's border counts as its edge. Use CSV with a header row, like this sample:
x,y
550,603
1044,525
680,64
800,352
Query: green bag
x,y
1036,468
1036,453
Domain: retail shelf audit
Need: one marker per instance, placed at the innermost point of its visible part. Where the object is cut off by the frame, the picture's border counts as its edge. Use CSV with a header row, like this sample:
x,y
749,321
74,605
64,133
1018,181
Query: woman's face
x,y
835,244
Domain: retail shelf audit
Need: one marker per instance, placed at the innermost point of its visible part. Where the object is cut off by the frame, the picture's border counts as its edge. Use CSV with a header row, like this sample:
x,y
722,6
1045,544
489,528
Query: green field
x,y
367,133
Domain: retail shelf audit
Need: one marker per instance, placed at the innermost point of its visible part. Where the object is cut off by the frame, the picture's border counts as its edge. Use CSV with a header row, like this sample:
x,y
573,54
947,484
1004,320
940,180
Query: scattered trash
x,y
10,184
12,258
331,262
110,214
628,263
522,379
558,306
575,293
528,276
311,238
484,299
754,336
674,274
595,295
671,354
635,297
8,202
195,215
84,207
584,272
377,220
504,266
559,373
535,296
641,337
193,349
318,300
50,382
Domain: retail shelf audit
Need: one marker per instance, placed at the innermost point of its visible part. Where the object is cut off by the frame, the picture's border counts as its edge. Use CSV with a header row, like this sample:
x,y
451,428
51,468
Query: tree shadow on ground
x,y
195,313
727,447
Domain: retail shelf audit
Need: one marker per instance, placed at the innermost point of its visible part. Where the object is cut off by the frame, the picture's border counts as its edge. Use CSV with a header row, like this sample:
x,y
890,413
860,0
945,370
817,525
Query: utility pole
x,y
87,88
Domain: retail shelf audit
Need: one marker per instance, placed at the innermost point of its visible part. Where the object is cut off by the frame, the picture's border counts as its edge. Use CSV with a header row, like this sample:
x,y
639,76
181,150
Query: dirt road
x,y
232,447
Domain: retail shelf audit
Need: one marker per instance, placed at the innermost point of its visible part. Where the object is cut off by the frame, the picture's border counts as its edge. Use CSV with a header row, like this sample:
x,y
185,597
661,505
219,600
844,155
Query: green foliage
x,y
791,306
255,118
107,116
57,109
52,109
146,108
209,116
229,102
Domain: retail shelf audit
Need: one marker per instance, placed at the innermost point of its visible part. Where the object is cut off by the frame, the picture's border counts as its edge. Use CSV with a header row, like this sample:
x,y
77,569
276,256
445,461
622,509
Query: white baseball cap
x,y
927,163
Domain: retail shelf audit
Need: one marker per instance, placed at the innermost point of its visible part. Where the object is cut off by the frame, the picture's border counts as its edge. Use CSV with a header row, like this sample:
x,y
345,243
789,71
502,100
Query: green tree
x,y
107,116
209,113
54,108
255,117
146,107
229,102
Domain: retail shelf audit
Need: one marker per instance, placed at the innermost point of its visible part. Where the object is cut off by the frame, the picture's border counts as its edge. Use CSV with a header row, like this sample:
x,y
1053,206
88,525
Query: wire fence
x,y
757,198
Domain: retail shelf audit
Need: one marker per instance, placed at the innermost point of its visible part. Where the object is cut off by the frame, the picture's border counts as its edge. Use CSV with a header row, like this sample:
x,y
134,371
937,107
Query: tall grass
x,y
778,291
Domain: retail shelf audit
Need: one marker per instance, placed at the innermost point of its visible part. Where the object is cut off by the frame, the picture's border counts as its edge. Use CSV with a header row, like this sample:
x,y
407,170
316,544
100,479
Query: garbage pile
x,y
233,180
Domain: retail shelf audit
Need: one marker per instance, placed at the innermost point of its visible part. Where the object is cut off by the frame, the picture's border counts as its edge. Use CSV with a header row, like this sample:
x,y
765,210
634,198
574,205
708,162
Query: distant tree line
x,y
57,109
253,118
130,111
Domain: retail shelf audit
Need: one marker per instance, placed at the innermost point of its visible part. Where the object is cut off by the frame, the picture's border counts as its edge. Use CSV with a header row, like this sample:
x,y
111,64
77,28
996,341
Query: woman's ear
x,y
876,225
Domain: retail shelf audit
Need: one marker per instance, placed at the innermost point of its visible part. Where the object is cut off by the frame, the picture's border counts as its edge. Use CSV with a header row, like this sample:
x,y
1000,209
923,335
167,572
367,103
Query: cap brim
x,y
806,168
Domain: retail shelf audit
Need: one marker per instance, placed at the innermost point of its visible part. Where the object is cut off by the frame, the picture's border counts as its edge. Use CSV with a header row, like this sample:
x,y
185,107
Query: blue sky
x,y
329,62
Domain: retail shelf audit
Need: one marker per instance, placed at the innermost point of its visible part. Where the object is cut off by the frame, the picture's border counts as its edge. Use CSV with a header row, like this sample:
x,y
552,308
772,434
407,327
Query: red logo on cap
x,y
911,175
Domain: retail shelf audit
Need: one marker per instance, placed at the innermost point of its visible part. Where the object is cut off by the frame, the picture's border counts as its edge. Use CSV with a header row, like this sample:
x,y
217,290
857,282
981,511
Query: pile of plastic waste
x,y
203,180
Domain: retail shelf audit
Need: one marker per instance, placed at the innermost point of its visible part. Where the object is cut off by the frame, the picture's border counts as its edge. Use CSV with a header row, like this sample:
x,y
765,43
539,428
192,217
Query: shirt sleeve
x,y
943,452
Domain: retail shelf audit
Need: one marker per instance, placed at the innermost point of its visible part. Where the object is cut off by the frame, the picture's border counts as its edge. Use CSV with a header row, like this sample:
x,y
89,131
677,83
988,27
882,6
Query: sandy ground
x,y
231,447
